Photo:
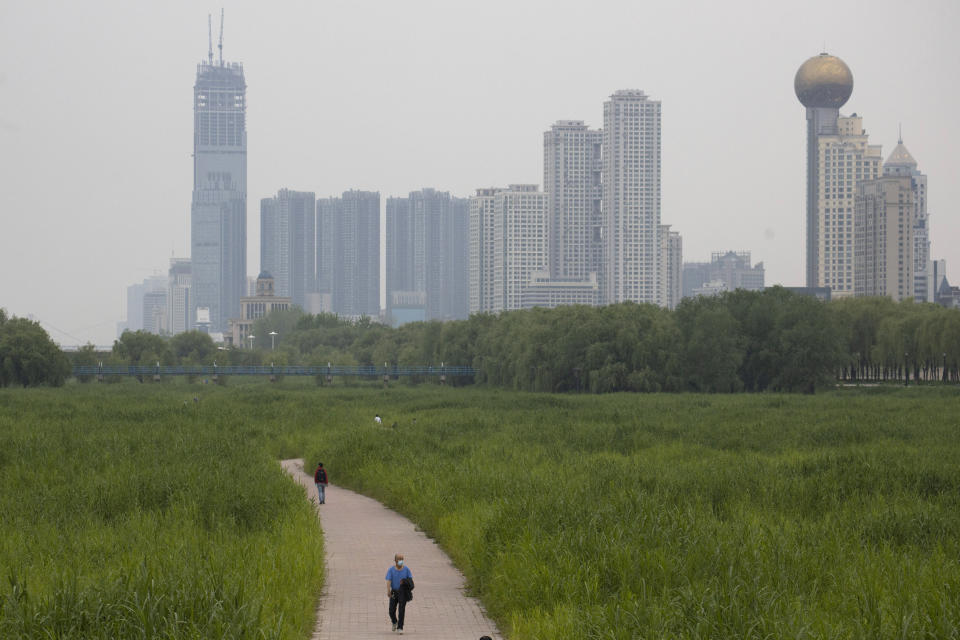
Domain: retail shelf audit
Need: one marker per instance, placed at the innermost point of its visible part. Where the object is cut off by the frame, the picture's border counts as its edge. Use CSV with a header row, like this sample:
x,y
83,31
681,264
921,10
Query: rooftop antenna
x,y
209,39
220,46
900,132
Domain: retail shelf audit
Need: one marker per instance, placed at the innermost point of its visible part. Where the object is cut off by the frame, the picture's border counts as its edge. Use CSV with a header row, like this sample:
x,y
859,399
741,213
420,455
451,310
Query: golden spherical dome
x,y
823,81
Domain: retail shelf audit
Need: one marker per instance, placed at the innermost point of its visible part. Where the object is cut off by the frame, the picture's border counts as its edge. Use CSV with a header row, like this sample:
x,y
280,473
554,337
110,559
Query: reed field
x,y
132,510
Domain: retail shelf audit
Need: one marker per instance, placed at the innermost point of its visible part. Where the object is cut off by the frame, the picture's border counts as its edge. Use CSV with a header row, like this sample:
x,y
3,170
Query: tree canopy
x,y
28,357
739,341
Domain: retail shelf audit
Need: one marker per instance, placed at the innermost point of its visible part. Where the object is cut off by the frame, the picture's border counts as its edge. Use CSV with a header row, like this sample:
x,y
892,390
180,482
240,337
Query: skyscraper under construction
x,y
218,214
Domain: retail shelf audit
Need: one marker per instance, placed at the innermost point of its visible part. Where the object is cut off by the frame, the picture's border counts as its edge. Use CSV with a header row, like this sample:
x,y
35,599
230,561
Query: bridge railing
x,y
275,370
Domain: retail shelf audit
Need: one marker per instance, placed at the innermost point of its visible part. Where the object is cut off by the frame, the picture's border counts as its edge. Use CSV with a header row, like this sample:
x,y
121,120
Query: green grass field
x,y
132,511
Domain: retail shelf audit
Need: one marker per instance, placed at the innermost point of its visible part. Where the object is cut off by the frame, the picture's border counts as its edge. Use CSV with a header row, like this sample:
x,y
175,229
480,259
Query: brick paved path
x,y
361,536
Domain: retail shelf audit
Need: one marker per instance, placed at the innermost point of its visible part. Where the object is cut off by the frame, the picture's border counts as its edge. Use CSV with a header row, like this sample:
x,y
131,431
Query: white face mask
x,y
399,563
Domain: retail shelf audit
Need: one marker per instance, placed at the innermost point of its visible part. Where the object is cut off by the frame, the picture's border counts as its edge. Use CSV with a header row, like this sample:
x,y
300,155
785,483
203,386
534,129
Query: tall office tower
x,y
427,255
348,252
671,266
571,179
482,208
631,198
178,295
901,163
218,214
883,226
288,239
838,157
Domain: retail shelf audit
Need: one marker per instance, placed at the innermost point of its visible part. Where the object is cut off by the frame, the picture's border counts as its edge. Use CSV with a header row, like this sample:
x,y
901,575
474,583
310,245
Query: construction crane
x,y
220,46
209,39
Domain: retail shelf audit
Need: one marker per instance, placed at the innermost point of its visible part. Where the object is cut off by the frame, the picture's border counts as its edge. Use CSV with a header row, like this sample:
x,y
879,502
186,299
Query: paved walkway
x,y
360,537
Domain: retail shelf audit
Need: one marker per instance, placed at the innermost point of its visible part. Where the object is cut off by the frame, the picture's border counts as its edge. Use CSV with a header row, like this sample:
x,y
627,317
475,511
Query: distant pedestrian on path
x,y
320,477
378,419
399,585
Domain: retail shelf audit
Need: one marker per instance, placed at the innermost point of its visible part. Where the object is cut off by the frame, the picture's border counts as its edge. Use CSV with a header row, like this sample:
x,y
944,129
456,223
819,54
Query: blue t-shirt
x,y
395,575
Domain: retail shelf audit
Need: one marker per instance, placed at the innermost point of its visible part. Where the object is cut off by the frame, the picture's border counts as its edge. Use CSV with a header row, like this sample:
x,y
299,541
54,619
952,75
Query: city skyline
x,y
362,139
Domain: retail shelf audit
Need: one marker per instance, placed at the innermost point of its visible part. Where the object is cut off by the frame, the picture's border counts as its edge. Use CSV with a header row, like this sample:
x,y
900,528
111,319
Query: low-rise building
x,y
252,308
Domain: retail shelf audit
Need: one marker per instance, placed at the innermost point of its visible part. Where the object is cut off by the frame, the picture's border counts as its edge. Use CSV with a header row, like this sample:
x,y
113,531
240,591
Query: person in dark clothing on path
x,y
398,596
320,478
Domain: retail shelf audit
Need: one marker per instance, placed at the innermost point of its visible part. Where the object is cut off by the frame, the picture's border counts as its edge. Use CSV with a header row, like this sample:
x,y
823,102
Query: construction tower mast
x,y
209,39
220,46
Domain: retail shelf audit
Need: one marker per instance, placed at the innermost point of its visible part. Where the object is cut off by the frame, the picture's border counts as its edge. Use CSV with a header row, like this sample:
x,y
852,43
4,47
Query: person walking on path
x,y
320,478
397,591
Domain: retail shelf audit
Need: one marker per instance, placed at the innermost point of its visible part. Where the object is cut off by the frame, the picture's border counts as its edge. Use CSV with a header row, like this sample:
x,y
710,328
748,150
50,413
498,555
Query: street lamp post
x,y
273,334
251,337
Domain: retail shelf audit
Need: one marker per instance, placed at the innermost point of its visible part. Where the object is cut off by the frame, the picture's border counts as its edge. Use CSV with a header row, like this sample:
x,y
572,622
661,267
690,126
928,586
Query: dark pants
x,y
394,600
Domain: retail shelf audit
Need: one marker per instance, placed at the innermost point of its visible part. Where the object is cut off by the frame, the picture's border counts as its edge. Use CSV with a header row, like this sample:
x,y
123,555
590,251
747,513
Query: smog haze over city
x,y
96,118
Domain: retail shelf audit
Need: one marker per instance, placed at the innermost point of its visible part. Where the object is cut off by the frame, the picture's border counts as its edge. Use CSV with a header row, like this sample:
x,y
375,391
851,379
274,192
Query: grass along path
x,y
360,538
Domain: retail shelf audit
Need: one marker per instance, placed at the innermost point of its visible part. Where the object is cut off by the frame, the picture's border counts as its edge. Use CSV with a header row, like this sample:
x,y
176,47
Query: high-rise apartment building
x,y
178,296
571,179
501,269
482,208
902,163
348,252
520,242
839,156
884,237
218,214
671,267
631,198
288,243
427,252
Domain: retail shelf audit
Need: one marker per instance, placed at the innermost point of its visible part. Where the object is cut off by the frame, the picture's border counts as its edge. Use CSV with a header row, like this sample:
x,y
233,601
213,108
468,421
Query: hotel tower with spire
x,y
839,157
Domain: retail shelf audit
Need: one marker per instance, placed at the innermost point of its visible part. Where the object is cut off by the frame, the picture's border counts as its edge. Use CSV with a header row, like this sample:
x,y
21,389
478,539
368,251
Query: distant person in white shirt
x,y
377,419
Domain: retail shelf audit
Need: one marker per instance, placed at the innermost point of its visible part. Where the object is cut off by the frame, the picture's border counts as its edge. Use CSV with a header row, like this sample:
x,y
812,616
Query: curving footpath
x,y
360,537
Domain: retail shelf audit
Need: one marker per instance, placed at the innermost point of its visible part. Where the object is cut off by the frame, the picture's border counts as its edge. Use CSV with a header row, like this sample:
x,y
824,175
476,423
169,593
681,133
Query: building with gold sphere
x,y
823,81
839,157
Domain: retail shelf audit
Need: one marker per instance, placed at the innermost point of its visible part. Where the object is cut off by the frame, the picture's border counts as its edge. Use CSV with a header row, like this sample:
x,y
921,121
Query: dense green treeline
x,y
739,341
772,340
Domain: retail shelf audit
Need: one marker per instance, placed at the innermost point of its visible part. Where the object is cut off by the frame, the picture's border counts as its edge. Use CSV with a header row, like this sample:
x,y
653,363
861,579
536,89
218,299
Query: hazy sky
x,y
96,117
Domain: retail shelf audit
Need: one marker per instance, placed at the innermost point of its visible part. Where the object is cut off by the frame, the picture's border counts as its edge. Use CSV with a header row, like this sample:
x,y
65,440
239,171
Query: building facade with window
x,y
631,198
218,213
288,243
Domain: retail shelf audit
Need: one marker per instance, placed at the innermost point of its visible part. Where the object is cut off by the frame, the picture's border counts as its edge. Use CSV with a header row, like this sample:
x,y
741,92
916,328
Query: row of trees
x,y
742,340
28,357
739,341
